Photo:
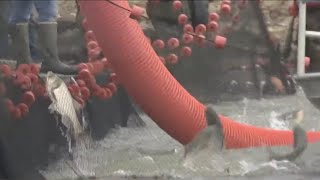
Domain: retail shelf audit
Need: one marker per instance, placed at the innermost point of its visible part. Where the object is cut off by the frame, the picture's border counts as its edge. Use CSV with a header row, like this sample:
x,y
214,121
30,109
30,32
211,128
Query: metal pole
x,y
308,76
313,34
301,38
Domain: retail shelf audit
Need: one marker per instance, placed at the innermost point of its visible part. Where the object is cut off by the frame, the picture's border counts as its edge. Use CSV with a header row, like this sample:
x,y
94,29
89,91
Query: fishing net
x,y
239,78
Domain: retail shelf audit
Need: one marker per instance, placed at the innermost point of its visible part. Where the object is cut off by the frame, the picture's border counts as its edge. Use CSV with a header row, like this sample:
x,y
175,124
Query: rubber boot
x,y
48,43
164,18
4,38
199,12
20,43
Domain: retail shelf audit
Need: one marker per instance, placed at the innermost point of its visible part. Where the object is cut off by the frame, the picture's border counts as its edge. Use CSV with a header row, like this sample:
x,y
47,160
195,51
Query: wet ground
x,y
150,152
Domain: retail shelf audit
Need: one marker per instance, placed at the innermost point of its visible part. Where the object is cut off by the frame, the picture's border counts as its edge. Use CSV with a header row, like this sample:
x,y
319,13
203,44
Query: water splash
x,y
264,167
276,123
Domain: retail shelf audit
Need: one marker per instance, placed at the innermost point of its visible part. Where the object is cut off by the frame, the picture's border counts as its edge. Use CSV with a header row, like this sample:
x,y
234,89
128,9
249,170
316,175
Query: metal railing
x,y
302,34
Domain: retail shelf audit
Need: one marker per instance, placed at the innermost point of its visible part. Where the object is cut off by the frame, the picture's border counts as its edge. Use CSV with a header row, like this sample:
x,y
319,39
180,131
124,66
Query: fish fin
x,y
210,136
211,116
213,119
300,141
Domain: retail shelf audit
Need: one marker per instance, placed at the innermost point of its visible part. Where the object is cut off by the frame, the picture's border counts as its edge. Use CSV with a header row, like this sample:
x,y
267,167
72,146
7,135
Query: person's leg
x,y
200,12
4,18
48,35
20,11
33,35
19,30
164,18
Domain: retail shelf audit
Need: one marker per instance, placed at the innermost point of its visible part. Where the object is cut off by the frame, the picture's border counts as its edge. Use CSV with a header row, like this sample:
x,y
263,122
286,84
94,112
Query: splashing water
x,y
149,151
276,123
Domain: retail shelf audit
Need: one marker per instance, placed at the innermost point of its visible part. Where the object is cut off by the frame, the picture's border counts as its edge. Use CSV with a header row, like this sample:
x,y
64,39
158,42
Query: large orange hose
x,y
153,87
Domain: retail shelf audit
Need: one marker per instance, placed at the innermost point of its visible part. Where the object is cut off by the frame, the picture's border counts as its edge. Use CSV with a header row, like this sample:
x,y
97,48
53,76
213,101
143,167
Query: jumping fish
x,y
64,105
300,141
212,135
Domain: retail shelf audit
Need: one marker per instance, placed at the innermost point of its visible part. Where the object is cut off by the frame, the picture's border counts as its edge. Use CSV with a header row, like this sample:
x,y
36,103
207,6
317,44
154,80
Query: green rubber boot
x,y
20,43
48,43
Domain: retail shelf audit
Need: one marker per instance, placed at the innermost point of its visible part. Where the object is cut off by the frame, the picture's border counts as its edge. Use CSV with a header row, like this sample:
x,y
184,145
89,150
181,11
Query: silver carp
x,y
64,105
300,140
210,137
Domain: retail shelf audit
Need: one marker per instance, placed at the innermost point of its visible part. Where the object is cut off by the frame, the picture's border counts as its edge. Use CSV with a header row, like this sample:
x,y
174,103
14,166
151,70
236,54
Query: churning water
x,y
149,151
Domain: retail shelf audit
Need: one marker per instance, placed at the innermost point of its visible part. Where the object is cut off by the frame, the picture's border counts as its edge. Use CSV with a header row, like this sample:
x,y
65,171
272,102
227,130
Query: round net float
x,y
177,5
137,12
84,74
89,36
158,44
225,9
108,93
188,28
201,29
101,94
25,83
307,61
80,83
34,78
91,68
85,93
35,69
75,88
213,26
5,70
172,58
186,51
82,66
23,108
112,86
71,91
173,43
28,98
187,38
183,19
92,45
214,17
220,42
23,68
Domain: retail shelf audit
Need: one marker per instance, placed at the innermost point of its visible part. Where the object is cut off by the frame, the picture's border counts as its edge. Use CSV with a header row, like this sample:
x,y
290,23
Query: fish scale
x,y
62,103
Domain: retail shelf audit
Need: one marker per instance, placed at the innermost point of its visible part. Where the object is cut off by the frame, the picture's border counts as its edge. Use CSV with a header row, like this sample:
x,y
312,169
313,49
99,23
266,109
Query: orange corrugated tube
x,y
152,86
